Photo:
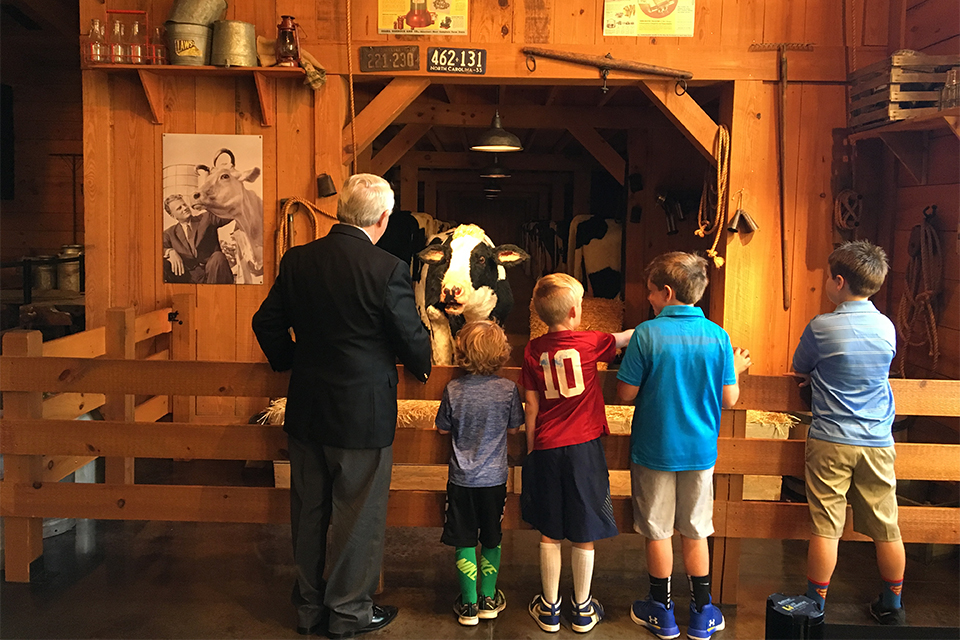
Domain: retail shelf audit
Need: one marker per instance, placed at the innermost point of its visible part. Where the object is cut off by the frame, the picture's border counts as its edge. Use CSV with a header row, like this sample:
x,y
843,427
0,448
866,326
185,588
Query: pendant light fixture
x,y
494,171
495,139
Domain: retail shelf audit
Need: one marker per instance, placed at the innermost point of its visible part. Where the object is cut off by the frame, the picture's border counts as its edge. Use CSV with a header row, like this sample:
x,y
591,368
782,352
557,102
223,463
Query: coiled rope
x,y
847,209
705,227
924,278
285,228
353,108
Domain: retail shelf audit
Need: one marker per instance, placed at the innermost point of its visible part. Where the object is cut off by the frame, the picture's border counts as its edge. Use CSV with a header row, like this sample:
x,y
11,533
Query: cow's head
x,y
221,189
465,269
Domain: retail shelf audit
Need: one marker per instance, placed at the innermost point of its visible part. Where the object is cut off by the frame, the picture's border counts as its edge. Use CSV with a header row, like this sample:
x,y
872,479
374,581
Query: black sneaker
x,y
892,617
490,608
466,612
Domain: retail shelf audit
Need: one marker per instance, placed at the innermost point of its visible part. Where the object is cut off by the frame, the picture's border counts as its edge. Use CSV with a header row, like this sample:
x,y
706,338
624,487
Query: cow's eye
x,y
224,177
482,260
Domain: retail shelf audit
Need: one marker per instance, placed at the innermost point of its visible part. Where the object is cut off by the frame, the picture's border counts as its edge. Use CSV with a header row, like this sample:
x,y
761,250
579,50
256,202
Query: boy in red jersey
x,y
566,486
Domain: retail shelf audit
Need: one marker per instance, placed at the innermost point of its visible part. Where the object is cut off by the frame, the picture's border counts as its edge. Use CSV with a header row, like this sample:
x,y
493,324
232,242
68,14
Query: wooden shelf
x,y
909,139
151,78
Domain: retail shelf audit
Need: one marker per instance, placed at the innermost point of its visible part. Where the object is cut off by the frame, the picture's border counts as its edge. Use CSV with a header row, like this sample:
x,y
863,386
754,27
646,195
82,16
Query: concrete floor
x,y
189,580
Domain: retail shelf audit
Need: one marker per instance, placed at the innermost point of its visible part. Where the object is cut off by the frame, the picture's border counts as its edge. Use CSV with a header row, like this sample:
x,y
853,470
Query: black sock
x,y
660,590
700,590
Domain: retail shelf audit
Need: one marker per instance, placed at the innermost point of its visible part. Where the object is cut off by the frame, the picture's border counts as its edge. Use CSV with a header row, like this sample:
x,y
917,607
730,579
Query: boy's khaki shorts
x,y
865,476
668,500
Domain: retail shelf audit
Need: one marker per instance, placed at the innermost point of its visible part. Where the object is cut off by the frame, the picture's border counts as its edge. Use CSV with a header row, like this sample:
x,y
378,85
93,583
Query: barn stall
x,y
631,154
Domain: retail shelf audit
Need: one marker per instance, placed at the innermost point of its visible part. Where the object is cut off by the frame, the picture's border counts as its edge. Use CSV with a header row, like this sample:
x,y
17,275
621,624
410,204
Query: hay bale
x,y
599,314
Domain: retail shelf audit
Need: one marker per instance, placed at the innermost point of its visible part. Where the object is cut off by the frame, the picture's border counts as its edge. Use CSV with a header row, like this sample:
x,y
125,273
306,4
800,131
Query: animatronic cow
x,y
223,194
465,279
594,254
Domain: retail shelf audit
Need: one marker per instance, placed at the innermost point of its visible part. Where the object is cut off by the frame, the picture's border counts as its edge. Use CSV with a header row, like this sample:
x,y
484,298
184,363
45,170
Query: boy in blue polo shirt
x,y
681,369
846,357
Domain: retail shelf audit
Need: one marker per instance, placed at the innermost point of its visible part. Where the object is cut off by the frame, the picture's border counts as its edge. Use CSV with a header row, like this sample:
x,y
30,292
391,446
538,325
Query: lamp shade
x,y
496,140
494,171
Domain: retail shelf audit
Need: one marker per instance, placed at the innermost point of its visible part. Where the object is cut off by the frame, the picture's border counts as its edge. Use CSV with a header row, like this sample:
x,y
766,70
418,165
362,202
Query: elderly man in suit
x,y
191,248
351,307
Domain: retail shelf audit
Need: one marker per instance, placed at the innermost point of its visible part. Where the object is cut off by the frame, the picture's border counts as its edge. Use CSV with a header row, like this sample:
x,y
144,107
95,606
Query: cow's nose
x,y
196,196
456,291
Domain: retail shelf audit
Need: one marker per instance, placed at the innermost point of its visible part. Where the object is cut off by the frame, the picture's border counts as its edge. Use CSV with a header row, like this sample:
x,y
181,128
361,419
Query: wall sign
x,y
648,18
390,58
452,60
427,17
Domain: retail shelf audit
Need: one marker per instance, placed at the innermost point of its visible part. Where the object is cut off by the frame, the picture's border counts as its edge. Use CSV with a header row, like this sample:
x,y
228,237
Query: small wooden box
x,y
903,86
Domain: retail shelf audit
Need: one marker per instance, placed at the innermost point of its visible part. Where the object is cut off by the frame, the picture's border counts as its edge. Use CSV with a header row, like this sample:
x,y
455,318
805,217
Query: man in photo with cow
x,y
191,248
351,307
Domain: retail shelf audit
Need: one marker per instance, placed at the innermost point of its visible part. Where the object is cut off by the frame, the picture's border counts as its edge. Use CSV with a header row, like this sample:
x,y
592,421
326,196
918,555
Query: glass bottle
x,y
158,46
137,44
118,44
96,49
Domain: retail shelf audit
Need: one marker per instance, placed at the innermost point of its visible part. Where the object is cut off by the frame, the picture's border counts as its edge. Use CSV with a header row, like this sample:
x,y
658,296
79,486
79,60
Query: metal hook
x,y
604,72
933,212
531,64
681,83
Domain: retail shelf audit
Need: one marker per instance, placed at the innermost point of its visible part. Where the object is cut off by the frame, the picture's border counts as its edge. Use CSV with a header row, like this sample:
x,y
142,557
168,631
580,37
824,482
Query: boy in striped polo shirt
x,y
845,356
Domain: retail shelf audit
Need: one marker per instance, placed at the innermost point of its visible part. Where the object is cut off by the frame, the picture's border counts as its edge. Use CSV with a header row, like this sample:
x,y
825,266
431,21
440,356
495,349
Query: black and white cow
x,y
464,279
595,251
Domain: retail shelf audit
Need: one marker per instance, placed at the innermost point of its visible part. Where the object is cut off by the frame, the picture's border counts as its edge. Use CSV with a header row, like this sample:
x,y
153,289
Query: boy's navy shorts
x,y
566,493
472,509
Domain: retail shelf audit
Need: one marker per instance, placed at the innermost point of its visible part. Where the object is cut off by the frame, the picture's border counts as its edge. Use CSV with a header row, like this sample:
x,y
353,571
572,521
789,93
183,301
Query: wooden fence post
x,y
183,346
726,550
23,537
120,343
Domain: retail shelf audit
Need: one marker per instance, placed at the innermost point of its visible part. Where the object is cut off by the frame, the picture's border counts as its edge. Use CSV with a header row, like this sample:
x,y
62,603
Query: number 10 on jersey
x,y
555,374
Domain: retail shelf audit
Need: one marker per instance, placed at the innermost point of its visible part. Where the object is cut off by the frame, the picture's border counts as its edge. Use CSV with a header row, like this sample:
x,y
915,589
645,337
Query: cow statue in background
x,y
463,279
223,194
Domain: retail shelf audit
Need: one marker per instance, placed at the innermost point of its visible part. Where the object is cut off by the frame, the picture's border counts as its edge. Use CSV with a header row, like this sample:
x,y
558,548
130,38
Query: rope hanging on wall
x,y
353,107
722,152
285,228
924,278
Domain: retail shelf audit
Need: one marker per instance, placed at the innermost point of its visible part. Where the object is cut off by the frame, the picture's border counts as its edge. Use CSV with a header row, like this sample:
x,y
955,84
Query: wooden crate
x,y
903,86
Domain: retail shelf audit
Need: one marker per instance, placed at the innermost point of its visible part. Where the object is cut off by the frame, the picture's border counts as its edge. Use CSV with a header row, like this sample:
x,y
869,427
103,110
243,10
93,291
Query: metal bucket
x,y
188,44
234,44
68,273
202,12
44,274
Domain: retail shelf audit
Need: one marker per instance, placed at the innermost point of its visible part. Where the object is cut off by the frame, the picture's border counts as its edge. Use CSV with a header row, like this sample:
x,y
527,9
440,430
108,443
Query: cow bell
x,y
288,42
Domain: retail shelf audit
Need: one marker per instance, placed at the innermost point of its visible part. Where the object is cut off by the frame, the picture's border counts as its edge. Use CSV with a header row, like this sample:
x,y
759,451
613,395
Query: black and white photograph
x,y
212,209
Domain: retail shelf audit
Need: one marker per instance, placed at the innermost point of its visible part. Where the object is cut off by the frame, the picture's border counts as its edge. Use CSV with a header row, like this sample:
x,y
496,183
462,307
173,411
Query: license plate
x,y
450,60
405,58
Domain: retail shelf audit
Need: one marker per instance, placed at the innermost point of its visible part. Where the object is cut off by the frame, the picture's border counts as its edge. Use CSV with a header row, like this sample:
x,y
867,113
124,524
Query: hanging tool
x,y
605,64
781,48
920,303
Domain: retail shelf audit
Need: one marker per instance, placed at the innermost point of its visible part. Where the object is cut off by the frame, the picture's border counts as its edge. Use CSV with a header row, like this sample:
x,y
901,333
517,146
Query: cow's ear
x,y
433,254
250,176
510,255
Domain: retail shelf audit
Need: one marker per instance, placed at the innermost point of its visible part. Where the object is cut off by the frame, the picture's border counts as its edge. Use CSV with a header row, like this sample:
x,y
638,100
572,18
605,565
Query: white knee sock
x,y
550,571
581,561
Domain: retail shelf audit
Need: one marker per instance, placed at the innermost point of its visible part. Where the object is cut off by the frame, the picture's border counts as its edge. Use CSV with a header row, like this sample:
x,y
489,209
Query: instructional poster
x,y
648,18
433,17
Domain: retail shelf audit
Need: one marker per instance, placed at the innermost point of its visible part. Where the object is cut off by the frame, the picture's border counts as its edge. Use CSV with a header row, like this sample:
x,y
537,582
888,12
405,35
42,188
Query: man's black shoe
x,y
309,631
382,616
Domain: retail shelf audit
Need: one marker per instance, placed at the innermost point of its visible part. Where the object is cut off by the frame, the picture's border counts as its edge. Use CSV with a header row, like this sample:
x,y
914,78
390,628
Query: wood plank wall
x,y
124,157
48,119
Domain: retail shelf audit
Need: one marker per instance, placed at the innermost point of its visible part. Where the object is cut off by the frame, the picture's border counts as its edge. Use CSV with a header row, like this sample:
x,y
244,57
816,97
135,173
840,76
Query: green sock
x,y
467,573
489,568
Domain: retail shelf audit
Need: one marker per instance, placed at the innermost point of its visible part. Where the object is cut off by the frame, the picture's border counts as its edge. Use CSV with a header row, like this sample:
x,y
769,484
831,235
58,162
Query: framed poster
x,y
212,209
672,18
426,17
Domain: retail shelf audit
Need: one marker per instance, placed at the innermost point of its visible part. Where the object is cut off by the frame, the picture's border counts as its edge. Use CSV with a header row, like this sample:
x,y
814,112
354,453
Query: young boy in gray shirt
x,y
478,410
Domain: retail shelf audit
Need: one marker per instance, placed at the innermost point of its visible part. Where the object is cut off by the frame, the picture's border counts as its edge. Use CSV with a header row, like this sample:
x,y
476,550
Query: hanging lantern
x,y
288,42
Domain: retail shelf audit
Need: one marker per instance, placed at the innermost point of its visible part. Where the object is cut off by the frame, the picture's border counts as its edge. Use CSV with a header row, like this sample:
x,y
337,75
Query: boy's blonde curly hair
x,y
481,347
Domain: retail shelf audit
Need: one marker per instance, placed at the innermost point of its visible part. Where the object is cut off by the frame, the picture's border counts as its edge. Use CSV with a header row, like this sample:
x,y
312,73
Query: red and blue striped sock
x,y
890,596
817,591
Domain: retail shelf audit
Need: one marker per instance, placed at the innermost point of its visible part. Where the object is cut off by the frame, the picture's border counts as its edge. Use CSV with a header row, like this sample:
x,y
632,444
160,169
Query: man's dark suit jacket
x,y
208,244
352,309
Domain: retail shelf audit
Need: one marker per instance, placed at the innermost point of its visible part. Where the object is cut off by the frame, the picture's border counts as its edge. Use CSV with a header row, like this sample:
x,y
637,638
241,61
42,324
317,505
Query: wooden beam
x,y
516,116
472,160
397,147
86,344
599,148
605,97
435,140
686,114
381,112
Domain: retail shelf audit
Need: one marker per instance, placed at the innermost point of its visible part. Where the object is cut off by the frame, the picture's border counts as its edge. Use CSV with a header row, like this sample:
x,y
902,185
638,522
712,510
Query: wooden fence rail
x,y
25,436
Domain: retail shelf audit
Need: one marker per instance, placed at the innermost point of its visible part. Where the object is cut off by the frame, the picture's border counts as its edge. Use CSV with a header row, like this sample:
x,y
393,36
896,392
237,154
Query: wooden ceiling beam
x,y
686,114
426,160
397,148
599,148
517,116
381,112
435,140
605,98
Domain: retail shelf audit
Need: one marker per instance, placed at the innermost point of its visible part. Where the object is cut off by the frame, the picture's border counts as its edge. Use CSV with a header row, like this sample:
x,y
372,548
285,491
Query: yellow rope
x,y
353,108
285,228
924,277
722,146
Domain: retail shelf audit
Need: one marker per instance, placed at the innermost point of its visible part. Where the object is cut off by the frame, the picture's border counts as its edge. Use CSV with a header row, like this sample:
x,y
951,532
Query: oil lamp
x,y
288,42
418,17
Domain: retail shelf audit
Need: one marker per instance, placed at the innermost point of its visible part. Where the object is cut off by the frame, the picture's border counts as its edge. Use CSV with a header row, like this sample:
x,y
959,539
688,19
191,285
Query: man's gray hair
x,y
363,199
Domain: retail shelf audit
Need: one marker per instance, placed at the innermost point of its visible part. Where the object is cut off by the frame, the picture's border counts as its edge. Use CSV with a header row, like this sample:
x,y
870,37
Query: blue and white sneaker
x,y
585,616
547,615
655,616
704,624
